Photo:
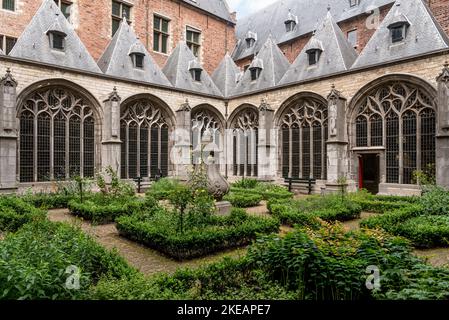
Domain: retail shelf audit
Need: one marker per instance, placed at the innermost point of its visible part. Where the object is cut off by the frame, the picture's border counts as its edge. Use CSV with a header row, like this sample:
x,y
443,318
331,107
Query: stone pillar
x,y
8,133
337,144
267,155
111,144
442,144
181,154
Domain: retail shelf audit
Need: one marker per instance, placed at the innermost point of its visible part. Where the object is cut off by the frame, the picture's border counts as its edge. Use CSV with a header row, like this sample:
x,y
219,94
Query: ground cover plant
x,y
45,260
320,263
267,190
15,212
305,212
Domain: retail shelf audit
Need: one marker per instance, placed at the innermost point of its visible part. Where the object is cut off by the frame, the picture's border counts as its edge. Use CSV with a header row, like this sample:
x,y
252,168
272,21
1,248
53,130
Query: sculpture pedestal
x,y
223,208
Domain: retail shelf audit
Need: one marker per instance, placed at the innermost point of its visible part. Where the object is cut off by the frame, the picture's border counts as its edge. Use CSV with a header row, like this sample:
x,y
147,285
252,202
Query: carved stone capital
x,y
335,94
444,76
8,80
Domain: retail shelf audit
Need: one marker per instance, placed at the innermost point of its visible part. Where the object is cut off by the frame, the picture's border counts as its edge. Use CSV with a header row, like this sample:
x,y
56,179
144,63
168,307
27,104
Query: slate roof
x,y
34,44
177,72
116,59
337,54
1,52
271,20
274,65
227,75
218,8
424,35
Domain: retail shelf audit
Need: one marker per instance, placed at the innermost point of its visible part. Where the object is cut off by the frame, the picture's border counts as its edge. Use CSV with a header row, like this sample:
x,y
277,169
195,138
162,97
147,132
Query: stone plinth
x,y
223,208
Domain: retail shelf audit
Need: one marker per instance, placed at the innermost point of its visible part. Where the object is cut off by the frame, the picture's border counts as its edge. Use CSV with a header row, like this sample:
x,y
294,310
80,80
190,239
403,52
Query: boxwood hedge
x,y
219,233
15,212
242,200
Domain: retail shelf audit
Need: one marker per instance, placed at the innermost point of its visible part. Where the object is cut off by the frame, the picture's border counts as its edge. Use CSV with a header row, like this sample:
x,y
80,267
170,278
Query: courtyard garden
x,y
100,240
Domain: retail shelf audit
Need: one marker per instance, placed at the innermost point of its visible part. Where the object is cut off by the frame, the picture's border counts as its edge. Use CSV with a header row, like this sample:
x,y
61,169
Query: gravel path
x,y
148,261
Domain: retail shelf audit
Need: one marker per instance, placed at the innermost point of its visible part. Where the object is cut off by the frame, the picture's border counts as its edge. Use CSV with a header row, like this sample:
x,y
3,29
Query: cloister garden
x,y
99,239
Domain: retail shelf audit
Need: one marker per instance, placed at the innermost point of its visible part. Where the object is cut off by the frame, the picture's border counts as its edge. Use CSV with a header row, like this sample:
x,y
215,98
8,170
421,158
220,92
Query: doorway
x,y
369,172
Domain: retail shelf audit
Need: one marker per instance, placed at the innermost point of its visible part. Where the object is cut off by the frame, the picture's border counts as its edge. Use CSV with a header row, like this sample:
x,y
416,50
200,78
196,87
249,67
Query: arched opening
x,y
303,123
245,136
58,133
394,118
145,125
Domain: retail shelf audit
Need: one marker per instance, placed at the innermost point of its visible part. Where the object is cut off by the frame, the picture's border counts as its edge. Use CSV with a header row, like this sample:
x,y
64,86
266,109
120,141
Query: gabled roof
x,y
271,20
116,59
177,72
34,43
218,8
274,65
226,75
424,35
337,54
1,52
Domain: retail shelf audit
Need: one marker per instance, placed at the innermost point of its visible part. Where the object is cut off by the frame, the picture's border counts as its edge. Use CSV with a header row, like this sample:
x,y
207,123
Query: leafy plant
x,y
241,200
15,212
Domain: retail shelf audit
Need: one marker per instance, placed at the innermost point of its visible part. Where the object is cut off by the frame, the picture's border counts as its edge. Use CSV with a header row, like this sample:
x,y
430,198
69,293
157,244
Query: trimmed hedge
x,y
161,190
266,194
241,200
389,221
379,206
49,200
34,263
15,212
426,231
220,233
103,210
304,212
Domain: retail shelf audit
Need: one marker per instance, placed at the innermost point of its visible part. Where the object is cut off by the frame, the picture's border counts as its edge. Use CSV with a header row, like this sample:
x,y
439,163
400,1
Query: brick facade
x,y
95,18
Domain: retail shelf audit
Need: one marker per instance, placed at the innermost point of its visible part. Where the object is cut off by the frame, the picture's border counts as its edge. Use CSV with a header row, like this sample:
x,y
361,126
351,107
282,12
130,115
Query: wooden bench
x,y
309,183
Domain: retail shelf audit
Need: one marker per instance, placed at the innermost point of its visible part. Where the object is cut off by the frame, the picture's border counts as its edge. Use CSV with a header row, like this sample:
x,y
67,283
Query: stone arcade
x,y
372,118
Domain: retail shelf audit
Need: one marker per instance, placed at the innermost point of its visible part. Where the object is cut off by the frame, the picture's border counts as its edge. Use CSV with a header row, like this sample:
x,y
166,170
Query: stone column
x,y
337,143
442,144
111,144
267,156
8,133
181,154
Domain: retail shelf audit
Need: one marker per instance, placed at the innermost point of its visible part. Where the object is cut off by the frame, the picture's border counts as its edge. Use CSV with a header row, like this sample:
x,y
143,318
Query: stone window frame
x,y
244,123
80,99
5,8
68,4
118,18
4,43
145,112
198,45
360,97
287,118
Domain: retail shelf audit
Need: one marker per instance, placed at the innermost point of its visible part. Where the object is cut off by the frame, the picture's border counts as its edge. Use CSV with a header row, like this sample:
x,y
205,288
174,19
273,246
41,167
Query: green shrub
x,y
435,201
15,212
102,209
226,280
380,204
49,200
241,200
389,221
305,212
162,189
246,183
34,262
426,231
159,231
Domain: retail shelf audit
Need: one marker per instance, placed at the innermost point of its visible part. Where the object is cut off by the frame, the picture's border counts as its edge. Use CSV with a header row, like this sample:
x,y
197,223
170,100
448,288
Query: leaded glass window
x,y
245,126
204,120
304,134
57,136
405,114
144,132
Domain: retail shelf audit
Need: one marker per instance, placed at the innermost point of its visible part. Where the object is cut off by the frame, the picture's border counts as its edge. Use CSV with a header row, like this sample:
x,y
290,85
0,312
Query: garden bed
x,y
160,231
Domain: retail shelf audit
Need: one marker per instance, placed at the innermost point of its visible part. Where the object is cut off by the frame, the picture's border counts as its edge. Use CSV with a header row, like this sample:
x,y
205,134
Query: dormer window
x,y
314,56
291,22
196,70
255,73
314,49
256,68
251,39
138,60
56,35
137,53
398,28
354,3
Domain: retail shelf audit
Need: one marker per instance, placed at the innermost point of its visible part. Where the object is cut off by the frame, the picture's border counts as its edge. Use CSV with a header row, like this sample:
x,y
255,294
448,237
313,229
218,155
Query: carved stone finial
x,y
185,106
264,105
113,96
8,80
444,76
334,94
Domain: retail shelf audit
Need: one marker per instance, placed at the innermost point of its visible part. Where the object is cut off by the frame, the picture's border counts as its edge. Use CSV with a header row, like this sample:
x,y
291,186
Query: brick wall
x,y
440,9
92,22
